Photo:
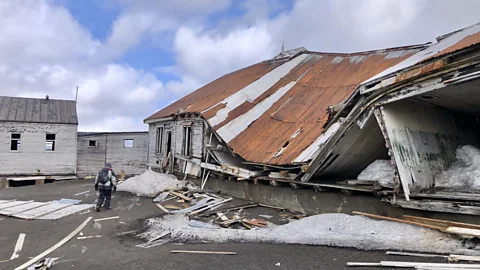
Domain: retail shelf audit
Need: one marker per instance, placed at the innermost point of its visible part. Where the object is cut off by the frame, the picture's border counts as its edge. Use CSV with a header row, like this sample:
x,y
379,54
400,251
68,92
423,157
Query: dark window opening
x,y
15,142
187,141
128,143
92,143
159,140
169,142
50,142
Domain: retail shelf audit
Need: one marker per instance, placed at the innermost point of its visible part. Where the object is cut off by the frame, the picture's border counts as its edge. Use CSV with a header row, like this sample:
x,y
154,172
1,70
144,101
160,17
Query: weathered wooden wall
x,y
176,128
110,148
32,159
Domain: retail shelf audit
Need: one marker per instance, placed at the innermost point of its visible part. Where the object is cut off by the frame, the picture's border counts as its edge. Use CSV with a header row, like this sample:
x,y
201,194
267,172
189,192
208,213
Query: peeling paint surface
x,y
423,140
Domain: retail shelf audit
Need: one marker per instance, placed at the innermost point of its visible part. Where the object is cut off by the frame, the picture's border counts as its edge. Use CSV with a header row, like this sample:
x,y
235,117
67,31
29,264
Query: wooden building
x,y
37,137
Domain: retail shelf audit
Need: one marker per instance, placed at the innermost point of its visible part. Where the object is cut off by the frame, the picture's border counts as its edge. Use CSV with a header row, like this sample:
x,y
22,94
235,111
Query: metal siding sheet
x,y
216,91
16,109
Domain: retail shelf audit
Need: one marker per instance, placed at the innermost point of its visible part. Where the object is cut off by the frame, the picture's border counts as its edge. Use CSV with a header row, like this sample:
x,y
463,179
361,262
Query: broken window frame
x,y
94,143
159,140
187,141
125,145
50,139
15,141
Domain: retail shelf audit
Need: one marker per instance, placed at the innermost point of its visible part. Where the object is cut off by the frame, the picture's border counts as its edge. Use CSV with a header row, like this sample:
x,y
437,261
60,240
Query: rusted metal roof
x,y
34,110
447,44
272,112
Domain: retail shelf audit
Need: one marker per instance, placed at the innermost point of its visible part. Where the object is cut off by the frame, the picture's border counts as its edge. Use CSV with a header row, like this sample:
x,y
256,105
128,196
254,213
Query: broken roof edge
x,y
418,60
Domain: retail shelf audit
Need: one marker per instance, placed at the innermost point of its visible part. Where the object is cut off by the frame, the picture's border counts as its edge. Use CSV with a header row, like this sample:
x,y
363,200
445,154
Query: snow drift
x,y
339,230
380,170
464,173
150,184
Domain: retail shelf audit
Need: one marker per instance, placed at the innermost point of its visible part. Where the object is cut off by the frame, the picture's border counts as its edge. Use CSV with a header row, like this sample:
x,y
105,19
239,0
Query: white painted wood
x,y
54,247
18,246
32,159
41,211
67,211
424,139
463,231
102,219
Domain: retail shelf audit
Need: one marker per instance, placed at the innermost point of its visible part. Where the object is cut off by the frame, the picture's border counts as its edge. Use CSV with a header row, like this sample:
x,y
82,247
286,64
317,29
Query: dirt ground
x,y
113,250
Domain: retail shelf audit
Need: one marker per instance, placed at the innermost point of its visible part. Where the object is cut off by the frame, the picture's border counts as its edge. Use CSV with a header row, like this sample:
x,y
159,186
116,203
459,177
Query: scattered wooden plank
x,y
448,196
171,206
421,265
18,246
271,206
210,206
204,252
108,218
54,247
456,258
181,196
416,254
222,216
256,222
398,220
246,225
363,264
362,182
439,206
463,231
441,223
229,209
441,265
88,237
162,208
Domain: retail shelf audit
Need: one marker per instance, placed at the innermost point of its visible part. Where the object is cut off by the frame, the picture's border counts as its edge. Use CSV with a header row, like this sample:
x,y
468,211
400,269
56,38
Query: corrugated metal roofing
x,y
33,110
271,112
453,42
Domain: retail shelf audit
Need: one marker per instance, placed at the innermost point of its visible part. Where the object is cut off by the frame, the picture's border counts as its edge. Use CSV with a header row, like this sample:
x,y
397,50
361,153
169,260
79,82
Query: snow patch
x,y
340,230
380,170
150,184
464,172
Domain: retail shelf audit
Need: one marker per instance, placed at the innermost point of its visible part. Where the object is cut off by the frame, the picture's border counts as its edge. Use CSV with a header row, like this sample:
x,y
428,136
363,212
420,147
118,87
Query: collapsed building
x,y
269,117
308,117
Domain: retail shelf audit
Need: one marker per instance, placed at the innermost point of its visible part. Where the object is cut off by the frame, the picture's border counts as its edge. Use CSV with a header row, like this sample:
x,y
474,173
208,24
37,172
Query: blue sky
x,y
130,58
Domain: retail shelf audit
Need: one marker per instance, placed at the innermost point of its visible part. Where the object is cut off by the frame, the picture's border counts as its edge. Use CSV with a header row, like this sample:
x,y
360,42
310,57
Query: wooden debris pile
x,y
465,230
198,204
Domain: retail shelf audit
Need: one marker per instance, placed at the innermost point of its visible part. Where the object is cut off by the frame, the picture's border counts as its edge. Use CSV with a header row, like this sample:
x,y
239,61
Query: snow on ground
x,y
339,230
464,172
150,184
379,170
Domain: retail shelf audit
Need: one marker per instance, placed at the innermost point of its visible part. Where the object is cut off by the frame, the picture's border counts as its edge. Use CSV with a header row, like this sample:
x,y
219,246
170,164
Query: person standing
x,y
105,183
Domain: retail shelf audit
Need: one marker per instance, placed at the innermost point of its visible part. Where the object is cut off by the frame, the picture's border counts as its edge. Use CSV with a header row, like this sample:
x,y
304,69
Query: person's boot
x,y
97,208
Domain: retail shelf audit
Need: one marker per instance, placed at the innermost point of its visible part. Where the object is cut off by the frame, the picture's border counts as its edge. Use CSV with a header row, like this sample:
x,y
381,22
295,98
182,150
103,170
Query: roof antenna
x,y
283,46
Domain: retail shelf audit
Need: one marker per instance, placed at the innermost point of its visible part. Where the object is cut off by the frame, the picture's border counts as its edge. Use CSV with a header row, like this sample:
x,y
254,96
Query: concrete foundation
x,y
312,202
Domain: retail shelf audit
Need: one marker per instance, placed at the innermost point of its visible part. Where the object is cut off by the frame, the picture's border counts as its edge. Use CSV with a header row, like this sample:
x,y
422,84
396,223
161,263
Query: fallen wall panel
x,y
423,139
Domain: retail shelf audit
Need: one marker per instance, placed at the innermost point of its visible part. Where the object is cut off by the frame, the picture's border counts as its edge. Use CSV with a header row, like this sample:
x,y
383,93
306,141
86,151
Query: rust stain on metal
x,y
422,70
460,45
210,113
214,92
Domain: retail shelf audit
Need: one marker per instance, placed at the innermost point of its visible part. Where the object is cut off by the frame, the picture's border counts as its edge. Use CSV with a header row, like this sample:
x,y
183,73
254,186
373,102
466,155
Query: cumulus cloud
x,y
44,51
